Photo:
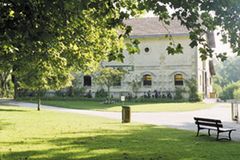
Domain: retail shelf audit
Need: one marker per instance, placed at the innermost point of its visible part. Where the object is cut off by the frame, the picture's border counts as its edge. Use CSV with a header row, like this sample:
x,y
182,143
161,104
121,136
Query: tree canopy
x,y
41,39
109,77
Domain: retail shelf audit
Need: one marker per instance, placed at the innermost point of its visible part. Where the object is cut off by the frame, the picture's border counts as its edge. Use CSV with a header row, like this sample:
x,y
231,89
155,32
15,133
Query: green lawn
x,y
135,107
47,135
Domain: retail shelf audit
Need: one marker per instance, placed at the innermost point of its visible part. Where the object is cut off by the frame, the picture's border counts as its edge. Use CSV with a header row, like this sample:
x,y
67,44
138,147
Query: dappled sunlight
x,y
88,138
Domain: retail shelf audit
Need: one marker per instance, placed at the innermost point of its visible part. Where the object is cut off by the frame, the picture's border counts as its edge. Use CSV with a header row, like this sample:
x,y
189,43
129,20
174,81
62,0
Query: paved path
x,y
180,120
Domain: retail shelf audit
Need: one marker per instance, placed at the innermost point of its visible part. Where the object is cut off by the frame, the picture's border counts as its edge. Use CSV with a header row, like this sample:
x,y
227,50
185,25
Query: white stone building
x,y
157,70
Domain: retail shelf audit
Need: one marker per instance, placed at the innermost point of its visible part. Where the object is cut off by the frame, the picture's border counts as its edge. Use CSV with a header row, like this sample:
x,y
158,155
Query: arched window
x,y
87,81
147,80
178,79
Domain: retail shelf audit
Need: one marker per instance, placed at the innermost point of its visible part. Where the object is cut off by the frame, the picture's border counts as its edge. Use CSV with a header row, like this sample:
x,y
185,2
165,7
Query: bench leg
x,y
198,131
229,135
209,133
217,136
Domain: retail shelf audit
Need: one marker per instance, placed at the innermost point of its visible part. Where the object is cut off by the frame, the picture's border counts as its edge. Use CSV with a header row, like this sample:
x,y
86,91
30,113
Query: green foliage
x,y
227,72
227,78
77,84
178,93
236,94
229,90
217,89
108,77
79,91
101,93
221,80
43,41
136,84
6,85
191,84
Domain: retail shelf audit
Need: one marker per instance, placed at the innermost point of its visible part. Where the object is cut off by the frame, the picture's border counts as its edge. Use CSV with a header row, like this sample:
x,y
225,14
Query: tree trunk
x,y
14,79
39,101
3,82
109,96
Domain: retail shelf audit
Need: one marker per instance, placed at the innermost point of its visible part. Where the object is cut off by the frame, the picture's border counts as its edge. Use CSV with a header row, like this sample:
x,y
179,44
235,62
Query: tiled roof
x,y
151,26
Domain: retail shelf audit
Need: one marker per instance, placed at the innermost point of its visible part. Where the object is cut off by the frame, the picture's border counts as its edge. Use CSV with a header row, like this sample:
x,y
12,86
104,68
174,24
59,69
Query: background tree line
x,y
227,80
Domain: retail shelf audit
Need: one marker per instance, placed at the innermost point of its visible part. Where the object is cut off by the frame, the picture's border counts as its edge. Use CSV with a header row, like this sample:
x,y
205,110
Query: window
x,y
147,80
178,79
87,81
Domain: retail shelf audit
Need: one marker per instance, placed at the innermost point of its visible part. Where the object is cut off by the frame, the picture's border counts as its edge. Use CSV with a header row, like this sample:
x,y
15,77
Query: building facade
x,y
153,69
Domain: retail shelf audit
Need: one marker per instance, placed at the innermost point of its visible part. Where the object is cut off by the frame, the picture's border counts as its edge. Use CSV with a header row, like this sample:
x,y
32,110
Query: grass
x,y
135,107
47,135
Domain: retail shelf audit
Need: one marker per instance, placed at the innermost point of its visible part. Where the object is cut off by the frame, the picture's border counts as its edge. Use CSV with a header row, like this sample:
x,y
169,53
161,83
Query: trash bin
x,y
126,114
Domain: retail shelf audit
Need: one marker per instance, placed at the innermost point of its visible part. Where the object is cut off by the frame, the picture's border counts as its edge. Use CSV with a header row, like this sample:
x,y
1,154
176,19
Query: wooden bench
x,y
212,124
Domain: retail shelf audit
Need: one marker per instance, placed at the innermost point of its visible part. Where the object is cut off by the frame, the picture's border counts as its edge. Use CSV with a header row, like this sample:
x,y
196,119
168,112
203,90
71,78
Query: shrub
x,y
101,93
236,94
217,89
79,91
192,90
229,90
178,93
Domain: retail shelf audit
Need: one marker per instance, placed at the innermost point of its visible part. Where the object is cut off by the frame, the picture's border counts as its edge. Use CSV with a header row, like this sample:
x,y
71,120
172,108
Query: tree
x,y
228,91
81,33
109,77
136,84
192,90
5,83
217,89
44,76
228,71
236,94
40,36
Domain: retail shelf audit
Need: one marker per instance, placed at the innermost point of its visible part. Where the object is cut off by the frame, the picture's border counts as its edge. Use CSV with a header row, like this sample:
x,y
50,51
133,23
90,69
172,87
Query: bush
x,y
229,90
60,93
178,93
192,90
236,94
79,91
217,89
101,93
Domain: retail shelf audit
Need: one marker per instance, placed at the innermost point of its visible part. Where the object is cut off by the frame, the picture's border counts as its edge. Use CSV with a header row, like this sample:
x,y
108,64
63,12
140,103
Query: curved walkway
x,y
179,120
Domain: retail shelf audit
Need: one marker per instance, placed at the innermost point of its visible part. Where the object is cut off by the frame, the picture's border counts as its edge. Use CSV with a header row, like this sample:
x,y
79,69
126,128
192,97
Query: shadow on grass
x,y
3,125
144,143
11,110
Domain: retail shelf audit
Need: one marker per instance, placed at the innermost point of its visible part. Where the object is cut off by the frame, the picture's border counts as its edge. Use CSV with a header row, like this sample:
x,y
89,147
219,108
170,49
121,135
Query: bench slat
x,y
207,119
210,124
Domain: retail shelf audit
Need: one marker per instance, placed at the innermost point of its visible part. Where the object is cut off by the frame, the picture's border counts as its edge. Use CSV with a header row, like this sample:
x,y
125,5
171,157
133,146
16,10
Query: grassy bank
x,y
48,135
135,107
